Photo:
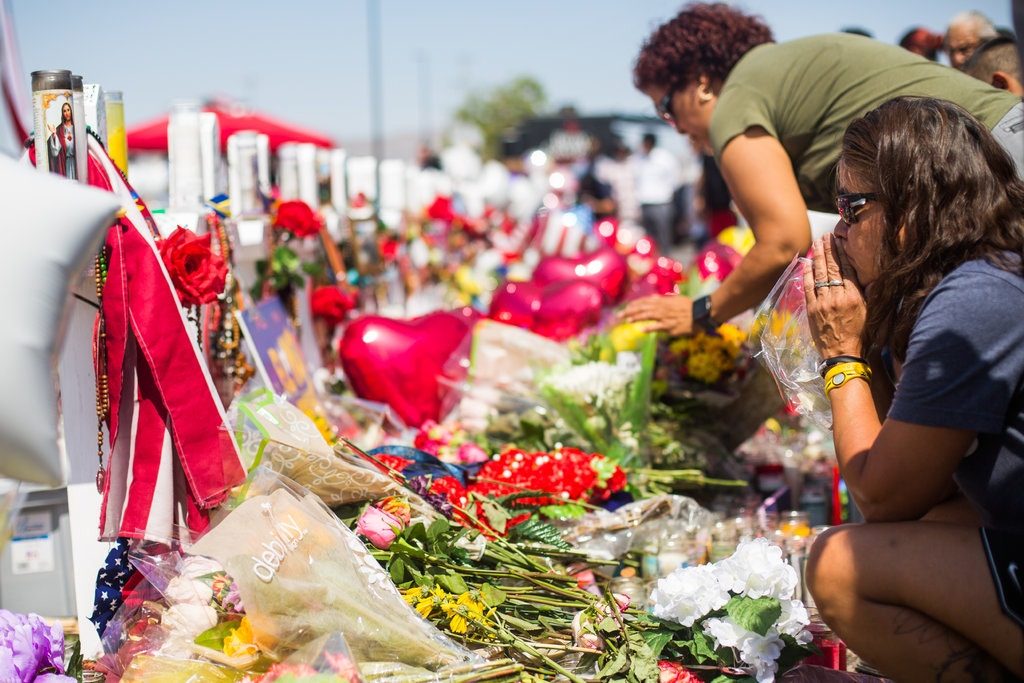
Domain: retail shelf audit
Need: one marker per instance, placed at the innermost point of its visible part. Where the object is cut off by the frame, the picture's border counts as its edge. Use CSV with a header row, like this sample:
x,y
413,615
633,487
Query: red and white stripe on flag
x,y
172,455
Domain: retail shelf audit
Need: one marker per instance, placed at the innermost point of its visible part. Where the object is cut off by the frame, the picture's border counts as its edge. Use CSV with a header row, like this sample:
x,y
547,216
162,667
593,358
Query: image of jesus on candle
x,y
61,144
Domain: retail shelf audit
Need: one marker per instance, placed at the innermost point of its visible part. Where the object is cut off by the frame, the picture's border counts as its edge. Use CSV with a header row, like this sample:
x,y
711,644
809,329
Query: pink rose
x,y
379,527
584,634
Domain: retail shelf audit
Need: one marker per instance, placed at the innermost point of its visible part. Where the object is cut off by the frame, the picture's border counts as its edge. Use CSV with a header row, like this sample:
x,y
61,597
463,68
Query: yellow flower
x,y
464,612
733,337
241,641
703,367
680,346
627,336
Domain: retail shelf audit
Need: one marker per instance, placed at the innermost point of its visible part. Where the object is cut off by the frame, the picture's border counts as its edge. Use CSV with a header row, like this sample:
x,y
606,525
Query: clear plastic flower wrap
x,y
787,348
610,535
148,668
302,575
327,659
275,433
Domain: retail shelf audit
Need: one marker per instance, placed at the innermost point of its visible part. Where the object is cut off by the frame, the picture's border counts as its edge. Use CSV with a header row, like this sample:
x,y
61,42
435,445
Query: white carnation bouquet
x,y
739,611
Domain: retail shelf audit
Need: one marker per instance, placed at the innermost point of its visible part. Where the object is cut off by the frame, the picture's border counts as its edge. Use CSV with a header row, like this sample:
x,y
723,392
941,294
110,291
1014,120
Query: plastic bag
x,y
610,535
326,658
302,575
275,433
787,348
159,669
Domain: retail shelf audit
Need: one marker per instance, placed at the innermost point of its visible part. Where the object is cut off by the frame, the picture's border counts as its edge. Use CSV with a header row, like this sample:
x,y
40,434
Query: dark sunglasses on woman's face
x,y
664,107
850,204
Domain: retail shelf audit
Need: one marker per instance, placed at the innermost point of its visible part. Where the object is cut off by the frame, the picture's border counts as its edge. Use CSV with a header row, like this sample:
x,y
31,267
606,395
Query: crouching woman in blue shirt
x,y
925,271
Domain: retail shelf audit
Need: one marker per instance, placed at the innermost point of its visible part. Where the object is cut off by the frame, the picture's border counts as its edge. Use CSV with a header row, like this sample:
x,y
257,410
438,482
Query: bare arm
x,y
760,176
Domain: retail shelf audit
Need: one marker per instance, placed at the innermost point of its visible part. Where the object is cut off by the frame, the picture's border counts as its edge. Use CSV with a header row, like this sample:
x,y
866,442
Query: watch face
x,y
839,378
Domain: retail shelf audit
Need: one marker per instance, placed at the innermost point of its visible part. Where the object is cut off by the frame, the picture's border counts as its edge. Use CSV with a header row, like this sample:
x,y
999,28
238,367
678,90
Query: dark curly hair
x,y
703,39
941,177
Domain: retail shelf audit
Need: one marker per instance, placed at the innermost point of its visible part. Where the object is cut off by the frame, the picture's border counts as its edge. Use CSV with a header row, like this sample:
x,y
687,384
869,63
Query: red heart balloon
x,y
567,308
716,261
516,303
558,311
604,268
398,361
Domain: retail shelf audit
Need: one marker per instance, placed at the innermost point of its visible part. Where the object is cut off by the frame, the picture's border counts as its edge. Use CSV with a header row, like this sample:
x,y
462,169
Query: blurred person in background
x,y
773,116
997,62
618,173
965,33
657,177
921,41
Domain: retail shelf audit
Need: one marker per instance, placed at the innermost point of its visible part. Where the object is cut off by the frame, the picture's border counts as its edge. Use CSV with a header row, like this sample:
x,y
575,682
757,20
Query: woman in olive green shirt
x,y
773,114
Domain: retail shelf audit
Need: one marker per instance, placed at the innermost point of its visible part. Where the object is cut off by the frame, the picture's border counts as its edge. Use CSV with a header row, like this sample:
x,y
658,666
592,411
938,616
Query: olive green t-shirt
x,y
806,92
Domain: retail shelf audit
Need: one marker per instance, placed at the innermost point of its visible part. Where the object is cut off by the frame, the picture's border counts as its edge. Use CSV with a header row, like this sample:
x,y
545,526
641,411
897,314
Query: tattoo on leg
x,y
911,623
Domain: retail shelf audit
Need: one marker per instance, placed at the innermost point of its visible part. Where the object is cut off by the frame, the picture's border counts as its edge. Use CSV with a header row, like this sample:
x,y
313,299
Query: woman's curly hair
x,y
703,39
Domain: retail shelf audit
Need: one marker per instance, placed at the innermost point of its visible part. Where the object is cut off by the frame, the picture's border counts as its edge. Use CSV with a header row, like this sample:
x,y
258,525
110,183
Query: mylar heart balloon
x,y
558,311
716,261
604,268
662,278
567,308
398,362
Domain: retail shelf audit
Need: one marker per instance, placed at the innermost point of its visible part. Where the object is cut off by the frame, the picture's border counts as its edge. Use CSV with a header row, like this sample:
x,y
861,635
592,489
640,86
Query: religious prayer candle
x,y
308,184
96,110
78,111
53,123
288,171
117,140
184,158
209,154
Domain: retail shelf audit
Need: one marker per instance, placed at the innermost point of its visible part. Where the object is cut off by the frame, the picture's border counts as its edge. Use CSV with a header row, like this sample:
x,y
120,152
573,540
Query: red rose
x,y
297,218
331,304
197,273
670,672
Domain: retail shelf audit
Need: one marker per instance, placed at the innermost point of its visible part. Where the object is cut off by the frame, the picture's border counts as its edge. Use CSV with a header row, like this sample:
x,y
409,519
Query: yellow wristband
x,y
838,375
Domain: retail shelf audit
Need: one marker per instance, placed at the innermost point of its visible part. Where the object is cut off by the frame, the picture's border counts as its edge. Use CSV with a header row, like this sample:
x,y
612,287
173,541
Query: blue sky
x,y
306,61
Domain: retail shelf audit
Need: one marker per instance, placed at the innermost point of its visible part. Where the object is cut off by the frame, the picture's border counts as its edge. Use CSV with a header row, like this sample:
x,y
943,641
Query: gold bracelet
x,y
840,374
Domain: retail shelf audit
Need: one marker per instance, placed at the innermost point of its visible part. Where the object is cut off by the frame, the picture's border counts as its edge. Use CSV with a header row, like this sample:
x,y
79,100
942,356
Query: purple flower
x,y
233,600
30,650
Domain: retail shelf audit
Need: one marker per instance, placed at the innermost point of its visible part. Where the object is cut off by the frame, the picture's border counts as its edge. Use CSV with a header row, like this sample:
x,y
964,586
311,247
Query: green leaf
x,y
312,269
397,570
453,583
497,516
535,530
563,511
754,614
608,625
657,640
213,638
417,533
702,647
614,665
793,653
522,624
492,596
437,529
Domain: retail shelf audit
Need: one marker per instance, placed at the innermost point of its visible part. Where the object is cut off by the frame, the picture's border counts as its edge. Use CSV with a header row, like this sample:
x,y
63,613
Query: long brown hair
x,y
949,194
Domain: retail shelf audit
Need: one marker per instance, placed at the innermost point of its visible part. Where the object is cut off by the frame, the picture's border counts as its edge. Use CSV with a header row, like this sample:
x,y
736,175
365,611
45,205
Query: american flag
x,y
172,455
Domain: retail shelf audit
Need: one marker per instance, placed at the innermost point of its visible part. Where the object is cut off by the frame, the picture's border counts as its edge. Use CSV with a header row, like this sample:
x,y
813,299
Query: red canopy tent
x,y
152,135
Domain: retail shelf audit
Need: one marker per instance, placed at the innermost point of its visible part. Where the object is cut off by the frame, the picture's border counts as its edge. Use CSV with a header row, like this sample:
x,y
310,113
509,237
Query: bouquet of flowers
x,y
449,442
604,395
709,360
302,575
738,612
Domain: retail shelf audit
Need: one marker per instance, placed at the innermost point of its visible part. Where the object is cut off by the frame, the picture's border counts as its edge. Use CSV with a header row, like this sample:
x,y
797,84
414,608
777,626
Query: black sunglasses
x,y
664,107
849,205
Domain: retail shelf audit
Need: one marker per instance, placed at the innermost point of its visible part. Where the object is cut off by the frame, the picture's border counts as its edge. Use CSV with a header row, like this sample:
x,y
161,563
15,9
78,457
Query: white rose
x,y
725,632
195,566
183,590
189,620
794,620
687,594
757,570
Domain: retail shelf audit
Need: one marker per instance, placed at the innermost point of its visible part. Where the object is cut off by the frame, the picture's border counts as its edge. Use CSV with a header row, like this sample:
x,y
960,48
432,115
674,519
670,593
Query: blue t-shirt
x,y
965,370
